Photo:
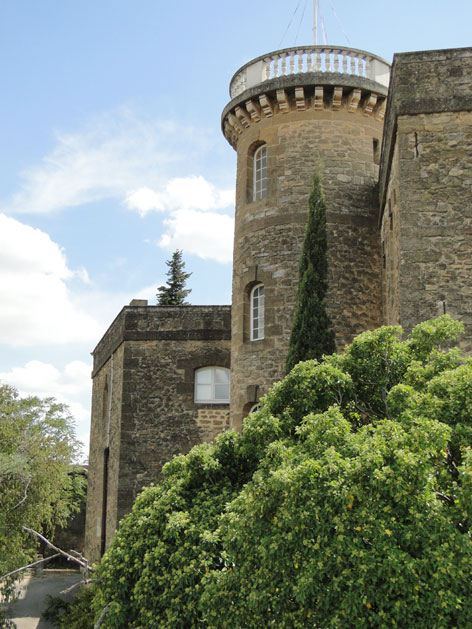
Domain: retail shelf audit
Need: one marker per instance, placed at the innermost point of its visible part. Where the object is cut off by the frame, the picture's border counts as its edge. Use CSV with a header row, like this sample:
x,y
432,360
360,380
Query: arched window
x,y
257,312
260,173
255,408
212,385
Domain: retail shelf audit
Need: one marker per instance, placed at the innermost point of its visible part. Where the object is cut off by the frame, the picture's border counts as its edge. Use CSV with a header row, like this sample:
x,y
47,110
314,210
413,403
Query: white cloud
x,y
71,386
117,156
45,380
37,307
181,193
135,161
206,234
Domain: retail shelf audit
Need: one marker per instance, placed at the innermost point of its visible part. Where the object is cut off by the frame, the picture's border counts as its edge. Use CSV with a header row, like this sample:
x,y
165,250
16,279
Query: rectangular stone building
x,y
160,386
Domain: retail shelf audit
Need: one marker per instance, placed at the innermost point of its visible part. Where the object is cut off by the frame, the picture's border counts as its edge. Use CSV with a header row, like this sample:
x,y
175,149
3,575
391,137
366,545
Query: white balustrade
x,y
345,61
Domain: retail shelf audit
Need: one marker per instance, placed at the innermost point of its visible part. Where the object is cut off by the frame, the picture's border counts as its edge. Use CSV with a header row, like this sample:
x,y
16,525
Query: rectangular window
x,y
260,173
212,385
257,313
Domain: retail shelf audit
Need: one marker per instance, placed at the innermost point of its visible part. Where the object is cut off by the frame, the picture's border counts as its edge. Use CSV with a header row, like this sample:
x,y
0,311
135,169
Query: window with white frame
x,y
257,312
255,408
212,385
260,173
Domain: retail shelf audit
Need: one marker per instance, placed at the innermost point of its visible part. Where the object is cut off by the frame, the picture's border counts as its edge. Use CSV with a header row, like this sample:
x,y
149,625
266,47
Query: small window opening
x,y
257,313
212,385
260,173
376,151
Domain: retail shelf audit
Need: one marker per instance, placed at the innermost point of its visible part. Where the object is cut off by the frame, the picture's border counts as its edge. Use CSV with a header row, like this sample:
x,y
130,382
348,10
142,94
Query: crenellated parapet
x,y
303,79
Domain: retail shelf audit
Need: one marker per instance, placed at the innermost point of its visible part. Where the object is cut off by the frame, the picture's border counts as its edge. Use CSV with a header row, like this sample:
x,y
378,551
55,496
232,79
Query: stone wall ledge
x,y
157,323
311,91
309,80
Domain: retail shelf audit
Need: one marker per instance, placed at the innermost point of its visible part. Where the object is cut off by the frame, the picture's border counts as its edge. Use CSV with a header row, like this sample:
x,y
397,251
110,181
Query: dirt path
x,y
26,611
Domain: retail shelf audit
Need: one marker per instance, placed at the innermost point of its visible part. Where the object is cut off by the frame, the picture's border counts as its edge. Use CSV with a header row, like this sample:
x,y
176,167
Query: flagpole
x,y
315,21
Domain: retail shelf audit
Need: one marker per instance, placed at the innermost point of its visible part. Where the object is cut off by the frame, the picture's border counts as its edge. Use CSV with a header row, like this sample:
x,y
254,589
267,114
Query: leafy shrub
x,y
346,502
56,608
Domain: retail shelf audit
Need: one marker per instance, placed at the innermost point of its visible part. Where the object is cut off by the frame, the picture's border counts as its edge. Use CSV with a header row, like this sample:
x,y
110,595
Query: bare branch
x,y
447,499
78,555
72,587
82,582
30,565
82,563
23,499
98,624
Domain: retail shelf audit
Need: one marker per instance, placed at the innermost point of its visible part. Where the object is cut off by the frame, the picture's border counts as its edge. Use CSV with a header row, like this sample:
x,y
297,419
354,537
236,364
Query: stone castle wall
x,y
269,234
409,262
154,416
426,180
105,433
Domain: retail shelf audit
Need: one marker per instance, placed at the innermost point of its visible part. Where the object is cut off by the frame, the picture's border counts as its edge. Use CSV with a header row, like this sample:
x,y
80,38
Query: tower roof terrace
x,y
305,77
325,60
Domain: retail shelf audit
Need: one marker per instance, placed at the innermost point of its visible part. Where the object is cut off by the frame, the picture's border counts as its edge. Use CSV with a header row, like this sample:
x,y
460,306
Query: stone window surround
x,y
203,358
253,149
251,278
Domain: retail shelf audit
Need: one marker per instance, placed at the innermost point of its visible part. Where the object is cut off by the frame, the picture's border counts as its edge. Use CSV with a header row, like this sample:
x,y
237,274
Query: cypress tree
x,y
311,335
174,293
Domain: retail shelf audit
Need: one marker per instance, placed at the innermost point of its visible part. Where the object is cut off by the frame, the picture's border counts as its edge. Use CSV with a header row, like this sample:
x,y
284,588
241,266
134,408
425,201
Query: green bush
x,y
346,502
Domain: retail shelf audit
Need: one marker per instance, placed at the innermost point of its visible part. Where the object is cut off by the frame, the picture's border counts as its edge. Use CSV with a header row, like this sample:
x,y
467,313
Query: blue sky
x,y
112,155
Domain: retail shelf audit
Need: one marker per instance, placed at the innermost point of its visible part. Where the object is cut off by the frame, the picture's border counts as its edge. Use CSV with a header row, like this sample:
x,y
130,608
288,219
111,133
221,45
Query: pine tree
x,y
312,335
174,293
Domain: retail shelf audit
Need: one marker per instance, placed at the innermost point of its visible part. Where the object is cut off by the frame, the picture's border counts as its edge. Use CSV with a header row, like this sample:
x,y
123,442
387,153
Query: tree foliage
x,y
174,293
346,502
312,335
37,448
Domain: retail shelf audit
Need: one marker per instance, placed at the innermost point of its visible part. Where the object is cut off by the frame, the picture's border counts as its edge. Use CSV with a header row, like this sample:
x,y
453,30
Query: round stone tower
x,y
291,112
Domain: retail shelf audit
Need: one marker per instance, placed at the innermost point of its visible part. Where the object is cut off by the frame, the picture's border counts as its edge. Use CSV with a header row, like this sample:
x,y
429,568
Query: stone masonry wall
x,y
390,249
212,421
154,417
105,432
269,235
427,163
435,169
159,415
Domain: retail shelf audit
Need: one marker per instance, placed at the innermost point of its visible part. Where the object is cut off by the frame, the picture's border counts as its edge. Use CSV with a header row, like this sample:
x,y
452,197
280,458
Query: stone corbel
x,y
243,117
369,105
352,101
229,133
267,106
379,109
300,99
282,100
337,97
234,123
254,110
253,393
319,97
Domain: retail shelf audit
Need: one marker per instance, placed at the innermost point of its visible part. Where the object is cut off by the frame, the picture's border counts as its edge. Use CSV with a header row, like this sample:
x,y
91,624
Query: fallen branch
x,y
98,624
75,585
30,565
82,563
